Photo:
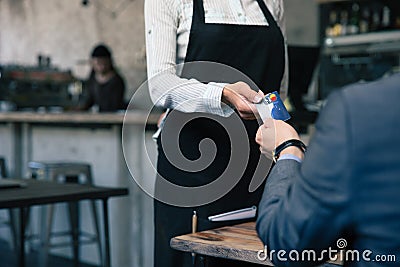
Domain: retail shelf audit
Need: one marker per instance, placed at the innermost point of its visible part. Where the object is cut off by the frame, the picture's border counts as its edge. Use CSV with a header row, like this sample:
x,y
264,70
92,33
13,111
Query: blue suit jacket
x,y
348,185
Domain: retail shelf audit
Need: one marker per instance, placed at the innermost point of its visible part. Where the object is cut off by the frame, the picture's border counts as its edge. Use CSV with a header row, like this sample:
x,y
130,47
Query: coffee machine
x,y
38,87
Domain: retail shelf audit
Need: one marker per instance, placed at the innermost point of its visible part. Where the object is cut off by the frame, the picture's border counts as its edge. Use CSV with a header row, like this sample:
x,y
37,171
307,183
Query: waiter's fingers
x,y
246,109
244,90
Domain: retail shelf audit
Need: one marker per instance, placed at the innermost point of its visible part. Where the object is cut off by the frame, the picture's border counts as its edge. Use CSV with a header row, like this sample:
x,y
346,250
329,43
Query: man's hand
x,y
273,133
242,97
160,119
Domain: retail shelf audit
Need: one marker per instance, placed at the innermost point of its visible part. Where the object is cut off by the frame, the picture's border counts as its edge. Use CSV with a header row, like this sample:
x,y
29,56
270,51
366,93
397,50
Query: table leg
x,y
73,208
21,258
107,261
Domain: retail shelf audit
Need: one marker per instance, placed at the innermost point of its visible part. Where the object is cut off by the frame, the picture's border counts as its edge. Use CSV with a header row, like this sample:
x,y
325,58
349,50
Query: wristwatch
x,y
292,142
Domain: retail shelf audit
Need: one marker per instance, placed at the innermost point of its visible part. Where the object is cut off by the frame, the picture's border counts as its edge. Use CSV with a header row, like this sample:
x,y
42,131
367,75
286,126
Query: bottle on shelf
x,y
344,22
361,17
397,22
331,30
386,18
376,20
365,20
354,25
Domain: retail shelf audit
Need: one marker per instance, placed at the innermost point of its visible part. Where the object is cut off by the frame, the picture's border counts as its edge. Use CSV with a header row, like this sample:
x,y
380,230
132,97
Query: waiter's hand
x,y
242,97
273,133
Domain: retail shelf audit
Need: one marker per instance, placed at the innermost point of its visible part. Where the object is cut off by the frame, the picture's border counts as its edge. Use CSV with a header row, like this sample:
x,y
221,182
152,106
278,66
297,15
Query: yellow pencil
x,y
194,229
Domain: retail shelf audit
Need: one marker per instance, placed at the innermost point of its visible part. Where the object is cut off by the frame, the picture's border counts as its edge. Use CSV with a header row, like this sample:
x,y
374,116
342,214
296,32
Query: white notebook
x,y
241,214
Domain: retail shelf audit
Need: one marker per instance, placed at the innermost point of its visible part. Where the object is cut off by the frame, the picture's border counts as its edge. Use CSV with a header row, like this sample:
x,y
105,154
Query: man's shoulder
x,y
366,98
366,92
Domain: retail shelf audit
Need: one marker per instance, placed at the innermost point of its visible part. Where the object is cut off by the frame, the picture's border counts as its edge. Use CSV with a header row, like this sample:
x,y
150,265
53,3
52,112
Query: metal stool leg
x,y
47,215
27,213
13,227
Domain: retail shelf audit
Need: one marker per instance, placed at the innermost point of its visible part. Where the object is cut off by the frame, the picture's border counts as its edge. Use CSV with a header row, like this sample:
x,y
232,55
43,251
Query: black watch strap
x,y
288,143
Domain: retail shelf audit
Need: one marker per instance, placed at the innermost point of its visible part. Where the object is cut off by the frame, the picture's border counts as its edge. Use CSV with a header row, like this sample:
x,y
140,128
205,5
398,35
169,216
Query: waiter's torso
x,y
257,51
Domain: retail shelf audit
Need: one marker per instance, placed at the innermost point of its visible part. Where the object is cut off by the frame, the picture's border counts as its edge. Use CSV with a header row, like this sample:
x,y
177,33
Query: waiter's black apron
x,y
258,52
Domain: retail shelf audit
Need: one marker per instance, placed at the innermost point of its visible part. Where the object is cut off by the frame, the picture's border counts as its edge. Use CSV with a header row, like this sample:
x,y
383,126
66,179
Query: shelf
x,y
332,1
377,42
358,39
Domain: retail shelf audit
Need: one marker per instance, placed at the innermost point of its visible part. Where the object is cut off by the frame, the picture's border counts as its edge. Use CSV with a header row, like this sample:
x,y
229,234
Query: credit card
x,y
272,107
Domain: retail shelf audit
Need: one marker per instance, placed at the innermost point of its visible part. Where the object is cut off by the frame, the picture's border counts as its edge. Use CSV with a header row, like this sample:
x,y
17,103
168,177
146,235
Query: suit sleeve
x,y
306,205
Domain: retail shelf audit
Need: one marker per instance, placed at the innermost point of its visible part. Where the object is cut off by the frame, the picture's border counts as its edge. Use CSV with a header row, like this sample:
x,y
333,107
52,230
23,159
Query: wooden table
x,y
238,242
45,192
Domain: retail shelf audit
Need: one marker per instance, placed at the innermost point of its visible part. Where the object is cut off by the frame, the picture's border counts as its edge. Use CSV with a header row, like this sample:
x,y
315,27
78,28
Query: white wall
x,y
67,31
302,22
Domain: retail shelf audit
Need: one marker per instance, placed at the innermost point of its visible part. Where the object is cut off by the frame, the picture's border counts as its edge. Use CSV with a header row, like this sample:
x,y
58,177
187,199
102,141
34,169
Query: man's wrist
x,y
291,146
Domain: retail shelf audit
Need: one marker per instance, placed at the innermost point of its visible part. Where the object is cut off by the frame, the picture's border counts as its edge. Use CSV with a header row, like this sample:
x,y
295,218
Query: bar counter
x,y
133,117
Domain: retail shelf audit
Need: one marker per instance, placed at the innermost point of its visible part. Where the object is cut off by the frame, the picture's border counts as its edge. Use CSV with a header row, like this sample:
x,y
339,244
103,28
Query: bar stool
x,y
11,222
67,172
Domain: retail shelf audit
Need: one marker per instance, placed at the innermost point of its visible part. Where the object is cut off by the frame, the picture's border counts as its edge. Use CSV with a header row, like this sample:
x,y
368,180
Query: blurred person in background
x,y
105,87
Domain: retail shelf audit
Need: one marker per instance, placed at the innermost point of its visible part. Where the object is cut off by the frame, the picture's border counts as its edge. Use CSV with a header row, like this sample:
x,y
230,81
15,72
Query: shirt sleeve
x,y
289,156
166,88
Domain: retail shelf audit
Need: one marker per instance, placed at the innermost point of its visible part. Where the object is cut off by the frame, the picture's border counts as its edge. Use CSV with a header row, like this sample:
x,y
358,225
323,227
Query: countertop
x,y
131,117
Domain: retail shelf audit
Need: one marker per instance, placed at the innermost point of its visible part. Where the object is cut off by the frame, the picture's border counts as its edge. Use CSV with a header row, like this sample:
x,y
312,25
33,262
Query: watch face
x,y
272,107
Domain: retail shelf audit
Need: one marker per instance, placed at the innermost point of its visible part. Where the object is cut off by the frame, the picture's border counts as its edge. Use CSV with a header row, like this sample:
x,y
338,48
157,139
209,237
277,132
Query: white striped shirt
x,y
168,24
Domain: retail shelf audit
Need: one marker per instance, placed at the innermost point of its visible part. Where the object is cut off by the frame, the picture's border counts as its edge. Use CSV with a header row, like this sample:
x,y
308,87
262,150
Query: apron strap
x,y
198,12
266,12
